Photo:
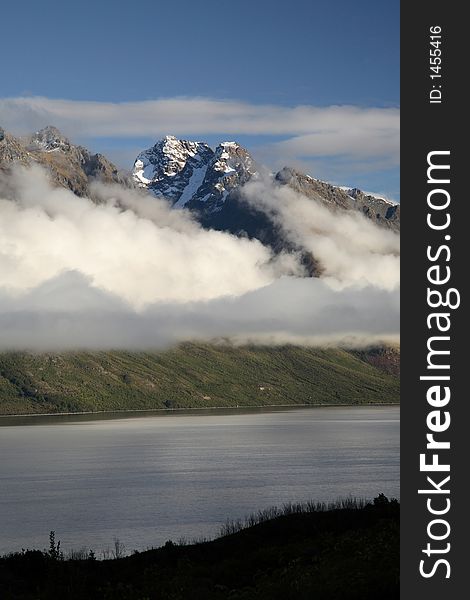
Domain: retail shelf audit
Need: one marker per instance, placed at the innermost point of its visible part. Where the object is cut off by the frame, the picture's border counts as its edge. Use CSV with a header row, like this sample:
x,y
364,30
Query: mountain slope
x,y
188,174
192,375
70,166
381,211
11,151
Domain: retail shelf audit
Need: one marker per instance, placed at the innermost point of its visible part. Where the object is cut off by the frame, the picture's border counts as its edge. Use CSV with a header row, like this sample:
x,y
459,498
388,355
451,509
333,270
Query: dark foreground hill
x,y
348,553
196,376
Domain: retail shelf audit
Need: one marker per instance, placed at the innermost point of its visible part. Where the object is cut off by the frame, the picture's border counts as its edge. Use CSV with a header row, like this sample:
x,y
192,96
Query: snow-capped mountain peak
x,y
176,153
166,159
191,173
229,157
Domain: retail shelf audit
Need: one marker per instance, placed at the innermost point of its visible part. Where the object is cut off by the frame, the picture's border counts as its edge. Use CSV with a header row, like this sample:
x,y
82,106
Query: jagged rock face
x,y
191,174
11,150
173,168
328,195
73,166
230,167
381,211
70,166
62,159
50,139
99,167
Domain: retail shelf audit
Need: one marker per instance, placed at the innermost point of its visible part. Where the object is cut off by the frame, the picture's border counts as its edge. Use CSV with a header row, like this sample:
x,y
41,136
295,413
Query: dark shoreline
x,y
192,410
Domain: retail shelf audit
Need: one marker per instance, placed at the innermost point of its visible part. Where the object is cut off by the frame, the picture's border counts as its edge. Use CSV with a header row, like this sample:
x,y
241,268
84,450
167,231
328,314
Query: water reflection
x,y
146,479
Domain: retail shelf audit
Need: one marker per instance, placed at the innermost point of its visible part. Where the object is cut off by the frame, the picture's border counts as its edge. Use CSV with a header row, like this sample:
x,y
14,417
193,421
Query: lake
x,y
147,478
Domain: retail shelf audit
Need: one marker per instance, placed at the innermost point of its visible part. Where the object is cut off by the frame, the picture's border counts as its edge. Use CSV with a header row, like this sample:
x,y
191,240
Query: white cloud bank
x,y
351,132
132,273
129,245
351,249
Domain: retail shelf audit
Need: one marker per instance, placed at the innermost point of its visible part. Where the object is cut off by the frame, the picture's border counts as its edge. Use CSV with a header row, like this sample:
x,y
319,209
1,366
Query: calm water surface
x,y
146,479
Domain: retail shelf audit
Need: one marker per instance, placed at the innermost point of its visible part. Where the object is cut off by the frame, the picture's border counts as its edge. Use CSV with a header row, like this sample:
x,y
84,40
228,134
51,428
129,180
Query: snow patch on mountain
x,y
192,187
143,172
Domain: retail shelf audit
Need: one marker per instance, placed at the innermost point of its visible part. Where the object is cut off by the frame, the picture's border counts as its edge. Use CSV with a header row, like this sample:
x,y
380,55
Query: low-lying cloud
x,y
129,272
129,245
69,312
351,249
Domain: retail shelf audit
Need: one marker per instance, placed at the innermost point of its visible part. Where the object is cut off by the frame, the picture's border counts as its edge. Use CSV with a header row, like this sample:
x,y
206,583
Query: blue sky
x,y
259,56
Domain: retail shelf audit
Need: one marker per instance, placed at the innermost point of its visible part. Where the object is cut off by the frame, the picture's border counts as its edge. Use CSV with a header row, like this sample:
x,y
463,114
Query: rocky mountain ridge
x,y
189,174
192,175
69,165
381,211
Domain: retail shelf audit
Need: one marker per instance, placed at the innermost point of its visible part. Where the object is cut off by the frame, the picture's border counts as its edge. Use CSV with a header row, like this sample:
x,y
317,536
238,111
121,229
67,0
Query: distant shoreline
x,y
196,409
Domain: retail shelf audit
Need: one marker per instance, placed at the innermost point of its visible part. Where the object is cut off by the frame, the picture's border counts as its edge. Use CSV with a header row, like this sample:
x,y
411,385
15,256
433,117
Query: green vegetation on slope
x,y
349,553
194,376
